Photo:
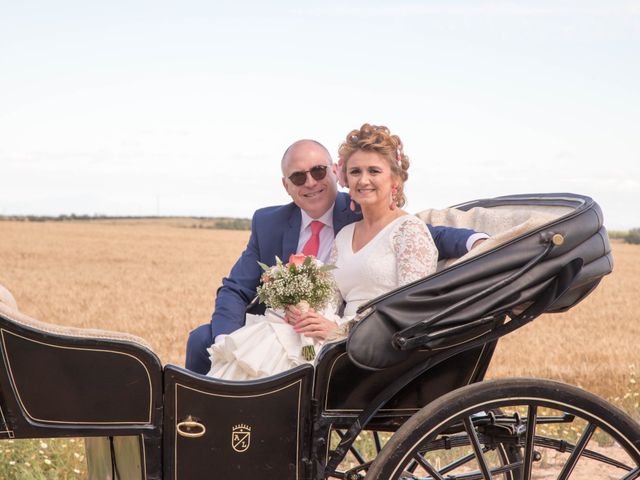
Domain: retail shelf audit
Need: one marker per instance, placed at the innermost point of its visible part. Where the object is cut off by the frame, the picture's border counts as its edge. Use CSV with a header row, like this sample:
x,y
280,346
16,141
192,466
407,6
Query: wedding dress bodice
x,y
403,251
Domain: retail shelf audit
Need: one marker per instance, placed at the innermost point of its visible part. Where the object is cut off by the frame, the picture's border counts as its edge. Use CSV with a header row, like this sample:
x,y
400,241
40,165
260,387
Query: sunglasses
x,y
317,173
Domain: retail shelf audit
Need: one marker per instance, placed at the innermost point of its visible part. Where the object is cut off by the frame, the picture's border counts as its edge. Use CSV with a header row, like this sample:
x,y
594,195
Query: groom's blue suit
x,y
275,232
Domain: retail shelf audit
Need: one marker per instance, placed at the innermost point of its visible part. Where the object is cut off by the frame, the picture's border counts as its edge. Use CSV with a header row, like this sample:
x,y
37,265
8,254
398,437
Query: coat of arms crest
x,y
241,437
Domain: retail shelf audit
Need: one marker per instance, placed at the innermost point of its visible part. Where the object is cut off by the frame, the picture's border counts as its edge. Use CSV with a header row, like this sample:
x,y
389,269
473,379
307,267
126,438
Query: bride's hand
x,y
292,314
312,324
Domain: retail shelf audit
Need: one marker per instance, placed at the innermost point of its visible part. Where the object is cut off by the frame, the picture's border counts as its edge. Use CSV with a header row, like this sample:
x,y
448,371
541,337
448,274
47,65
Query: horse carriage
x,y
402,397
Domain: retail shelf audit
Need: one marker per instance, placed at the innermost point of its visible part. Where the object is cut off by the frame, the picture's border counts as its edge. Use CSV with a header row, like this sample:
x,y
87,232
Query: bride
x,y
388,248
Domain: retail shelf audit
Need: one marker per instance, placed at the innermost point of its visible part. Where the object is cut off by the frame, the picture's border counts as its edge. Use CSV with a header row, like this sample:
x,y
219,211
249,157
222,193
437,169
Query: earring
x,y
352,206
392,198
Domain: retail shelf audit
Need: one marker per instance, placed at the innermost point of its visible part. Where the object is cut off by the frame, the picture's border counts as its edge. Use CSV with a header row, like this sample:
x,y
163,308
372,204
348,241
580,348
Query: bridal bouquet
x,y
303,282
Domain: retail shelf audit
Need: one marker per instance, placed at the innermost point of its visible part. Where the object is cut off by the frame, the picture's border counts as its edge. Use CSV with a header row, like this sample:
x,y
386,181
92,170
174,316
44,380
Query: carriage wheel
x,y
513,429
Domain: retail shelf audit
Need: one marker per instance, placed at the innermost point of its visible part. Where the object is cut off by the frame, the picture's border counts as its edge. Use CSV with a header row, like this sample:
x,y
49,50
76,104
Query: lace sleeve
x,y
416,254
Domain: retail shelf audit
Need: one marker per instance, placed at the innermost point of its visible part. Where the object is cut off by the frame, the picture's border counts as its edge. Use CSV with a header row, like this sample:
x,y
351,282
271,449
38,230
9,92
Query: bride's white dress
x,y
400,253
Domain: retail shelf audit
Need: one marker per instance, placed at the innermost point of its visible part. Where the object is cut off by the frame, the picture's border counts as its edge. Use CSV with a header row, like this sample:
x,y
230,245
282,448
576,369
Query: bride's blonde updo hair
x,y
378,139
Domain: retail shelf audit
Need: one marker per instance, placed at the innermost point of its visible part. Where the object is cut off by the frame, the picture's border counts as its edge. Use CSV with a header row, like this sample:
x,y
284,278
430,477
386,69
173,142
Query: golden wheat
x,y
158,278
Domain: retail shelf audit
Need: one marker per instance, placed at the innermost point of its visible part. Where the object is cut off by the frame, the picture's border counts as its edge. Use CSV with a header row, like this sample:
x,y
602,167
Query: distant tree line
x,y
218,223
233,224
629,236
633,236
67,217
59,218
226,224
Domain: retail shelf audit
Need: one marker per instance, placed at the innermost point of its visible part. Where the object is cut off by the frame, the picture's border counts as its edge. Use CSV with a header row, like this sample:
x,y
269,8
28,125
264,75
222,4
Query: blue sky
x,y
145,108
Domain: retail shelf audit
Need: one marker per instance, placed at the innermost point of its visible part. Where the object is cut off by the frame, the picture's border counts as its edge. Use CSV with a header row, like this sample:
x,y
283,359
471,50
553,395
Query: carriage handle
x,y
412,337
184,427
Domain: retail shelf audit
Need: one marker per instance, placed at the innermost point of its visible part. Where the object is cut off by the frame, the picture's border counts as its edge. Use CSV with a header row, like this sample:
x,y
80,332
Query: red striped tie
x,y
313,244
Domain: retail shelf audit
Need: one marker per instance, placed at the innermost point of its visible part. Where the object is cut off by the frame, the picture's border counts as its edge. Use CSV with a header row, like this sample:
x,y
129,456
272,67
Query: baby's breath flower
x,y
289,284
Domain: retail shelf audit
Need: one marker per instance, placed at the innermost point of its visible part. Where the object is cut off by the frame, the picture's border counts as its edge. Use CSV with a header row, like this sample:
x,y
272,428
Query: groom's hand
x,y
312,324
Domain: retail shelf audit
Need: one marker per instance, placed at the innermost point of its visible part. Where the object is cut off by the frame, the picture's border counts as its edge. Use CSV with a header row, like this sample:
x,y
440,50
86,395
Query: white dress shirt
x,y
473,238
327,235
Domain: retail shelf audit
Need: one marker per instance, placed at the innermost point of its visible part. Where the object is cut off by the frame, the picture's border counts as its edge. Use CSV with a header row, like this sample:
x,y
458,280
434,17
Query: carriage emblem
x,y
241,437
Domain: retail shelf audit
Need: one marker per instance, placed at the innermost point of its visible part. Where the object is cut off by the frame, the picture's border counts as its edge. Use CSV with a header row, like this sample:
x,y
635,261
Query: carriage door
x,y
239,430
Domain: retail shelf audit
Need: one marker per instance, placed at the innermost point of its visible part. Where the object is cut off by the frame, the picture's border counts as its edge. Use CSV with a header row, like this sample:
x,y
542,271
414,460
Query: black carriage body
x,y
410,347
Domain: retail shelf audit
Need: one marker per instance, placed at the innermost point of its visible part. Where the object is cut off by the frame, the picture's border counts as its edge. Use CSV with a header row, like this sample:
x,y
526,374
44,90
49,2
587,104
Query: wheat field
x,y
157,279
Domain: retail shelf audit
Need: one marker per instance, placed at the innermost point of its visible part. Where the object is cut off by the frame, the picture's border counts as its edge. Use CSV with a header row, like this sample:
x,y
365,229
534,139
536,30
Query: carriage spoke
x,y
419,460
428,467
528,453
457,463
633,475
411,467
577,452
477,448
562,446
447,443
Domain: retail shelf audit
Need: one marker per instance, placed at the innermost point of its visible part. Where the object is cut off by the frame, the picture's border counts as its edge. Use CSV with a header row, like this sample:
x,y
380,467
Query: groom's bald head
x,y
304,144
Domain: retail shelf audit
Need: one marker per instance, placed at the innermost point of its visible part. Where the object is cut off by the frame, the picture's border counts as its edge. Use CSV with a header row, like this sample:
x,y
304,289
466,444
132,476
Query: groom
x,y
309,177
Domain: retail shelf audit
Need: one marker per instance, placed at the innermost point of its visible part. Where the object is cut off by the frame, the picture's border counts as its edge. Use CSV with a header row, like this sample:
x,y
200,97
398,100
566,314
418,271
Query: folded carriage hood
x,y
585,248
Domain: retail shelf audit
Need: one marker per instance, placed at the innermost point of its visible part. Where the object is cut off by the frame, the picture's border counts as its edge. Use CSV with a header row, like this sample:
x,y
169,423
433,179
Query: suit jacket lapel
x,y
291,234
